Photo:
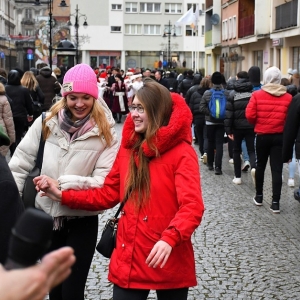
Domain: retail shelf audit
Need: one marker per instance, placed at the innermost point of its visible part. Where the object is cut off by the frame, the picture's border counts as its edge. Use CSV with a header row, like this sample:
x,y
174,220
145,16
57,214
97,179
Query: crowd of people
x,y
153,169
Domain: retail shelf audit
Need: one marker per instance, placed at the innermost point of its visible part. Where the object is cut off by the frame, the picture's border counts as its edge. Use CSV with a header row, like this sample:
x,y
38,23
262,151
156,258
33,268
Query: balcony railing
x,y
208,38
286,15
246,26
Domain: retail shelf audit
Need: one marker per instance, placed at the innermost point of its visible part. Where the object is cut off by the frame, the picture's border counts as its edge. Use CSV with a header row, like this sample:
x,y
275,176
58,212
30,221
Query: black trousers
x,y
20,123
200,132
215,137
239,135
81,235
135,294
269,145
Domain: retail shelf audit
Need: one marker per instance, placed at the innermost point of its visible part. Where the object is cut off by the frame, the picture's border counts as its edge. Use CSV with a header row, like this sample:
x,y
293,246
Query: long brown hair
x,y
157,102
97,115
28,80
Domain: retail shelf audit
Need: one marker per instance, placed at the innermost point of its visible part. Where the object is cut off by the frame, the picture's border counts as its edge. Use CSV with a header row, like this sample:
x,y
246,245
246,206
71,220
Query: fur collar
x,y
178,130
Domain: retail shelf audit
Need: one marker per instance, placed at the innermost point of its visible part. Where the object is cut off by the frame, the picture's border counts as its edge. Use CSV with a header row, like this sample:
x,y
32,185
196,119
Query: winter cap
x,y
254,75
290,71
4,139
272,75
295,71
80,79
216,78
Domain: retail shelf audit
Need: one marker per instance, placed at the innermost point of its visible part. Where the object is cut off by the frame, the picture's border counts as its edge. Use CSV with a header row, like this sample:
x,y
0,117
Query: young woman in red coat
x,y
157,169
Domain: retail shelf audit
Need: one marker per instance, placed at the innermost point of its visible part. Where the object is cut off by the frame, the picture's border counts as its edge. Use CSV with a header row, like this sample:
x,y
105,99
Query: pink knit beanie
x,y
80,79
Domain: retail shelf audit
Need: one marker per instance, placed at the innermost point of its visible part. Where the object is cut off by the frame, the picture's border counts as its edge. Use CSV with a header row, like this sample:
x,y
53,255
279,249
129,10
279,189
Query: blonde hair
x,y
28,80
2,89
157,102
97,116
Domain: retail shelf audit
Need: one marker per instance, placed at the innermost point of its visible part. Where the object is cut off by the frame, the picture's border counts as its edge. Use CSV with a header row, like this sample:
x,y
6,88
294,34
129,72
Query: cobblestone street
x,y
241,251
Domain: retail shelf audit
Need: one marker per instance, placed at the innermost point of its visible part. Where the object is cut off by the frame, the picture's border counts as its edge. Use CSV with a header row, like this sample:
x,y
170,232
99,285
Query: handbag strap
x,y
121,206
39,159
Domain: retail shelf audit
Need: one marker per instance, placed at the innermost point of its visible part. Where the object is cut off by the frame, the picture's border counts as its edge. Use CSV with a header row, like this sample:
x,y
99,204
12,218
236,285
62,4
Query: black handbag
x,y
29,191
108,239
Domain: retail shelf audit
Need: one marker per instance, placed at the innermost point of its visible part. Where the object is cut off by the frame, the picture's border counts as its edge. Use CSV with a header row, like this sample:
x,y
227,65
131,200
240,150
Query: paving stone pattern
x,y
241,251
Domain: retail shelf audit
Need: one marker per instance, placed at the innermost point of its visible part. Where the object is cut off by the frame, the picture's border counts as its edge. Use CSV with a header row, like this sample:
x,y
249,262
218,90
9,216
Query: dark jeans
x,y
269,145
200,132
215,137
20,123
135,294
81,235
230,147
239,135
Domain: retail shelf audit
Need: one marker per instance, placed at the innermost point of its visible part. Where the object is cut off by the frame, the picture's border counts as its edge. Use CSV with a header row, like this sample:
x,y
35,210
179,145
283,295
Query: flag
x,y
187,19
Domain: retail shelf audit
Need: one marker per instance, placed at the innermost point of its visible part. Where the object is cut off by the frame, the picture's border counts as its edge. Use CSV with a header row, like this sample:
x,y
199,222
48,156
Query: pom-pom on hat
x,y
80,79
216,78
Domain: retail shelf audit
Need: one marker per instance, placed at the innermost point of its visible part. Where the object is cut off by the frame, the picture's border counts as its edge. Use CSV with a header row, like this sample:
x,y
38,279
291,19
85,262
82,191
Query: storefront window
x,y
296,58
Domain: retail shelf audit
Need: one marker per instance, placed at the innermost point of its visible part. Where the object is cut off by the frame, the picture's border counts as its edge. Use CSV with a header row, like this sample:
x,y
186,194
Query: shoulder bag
x,y
29,191
108,239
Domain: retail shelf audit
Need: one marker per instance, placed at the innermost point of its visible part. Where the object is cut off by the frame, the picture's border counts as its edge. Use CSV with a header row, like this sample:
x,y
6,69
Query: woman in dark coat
x,y
21,105
120,101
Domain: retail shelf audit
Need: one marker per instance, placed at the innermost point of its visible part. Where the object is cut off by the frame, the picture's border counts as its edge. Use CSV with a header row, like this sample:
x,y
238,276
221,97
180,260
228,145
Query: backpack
x,y
217,104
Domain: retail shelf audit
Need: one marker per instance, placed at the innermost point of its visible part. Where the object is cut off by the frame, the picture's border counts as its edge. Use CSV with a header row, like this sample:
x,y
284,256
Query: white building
x,y
129,34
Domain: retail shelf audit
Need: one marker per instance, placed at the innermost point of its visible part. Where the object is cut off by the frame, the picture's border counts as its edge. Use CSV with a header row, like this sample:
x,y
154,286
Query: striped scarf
x,y
75,129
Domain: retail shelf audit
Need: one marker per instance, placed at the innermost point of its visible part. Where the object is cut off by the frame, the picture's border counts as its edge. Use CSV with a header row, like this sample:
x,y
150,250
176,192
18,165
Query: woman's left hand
x,y
48,186
159,254
43,182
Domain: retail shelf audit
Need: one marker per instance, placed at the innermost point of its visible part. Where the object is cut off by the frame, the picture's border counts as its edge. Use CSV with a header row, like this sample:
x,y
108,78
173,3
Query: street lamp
x,y
168,32
77,16
50,8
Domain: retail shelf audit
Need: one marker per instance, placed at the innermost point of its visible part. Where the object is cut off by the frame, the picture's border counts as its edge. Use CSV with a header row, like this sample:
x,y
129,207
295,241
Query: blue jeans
x,y
245,151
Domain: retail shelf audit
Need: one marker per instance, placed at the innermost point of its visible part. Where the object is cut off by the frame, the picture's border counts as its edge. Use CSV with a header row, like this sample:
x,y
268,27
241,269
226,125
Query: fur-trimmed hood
x,y
178,130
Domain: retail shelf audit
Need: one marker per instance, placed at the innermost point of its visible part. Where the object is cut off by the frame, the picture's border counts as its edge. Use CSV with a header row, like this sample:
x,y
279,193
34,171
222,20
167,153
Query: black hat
x,y
254,75
216,78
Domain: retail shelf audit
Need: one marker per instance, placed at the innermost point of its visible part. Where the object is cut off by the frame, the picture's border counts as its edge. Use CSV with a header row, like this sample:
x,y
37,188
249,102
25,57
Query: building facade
x,y
252,32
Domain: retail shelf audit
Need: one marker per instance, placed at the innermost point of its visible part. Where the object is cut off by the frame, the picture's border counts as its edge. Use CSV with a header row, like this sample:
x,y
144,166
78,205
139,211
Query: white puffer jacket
x,y
81,164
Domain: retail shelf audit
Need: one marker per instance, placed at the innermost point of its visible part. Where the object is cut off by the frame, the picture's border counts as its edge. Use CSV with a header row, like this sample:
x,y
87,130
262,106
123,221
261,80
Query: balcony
x,y
246,26
286,15
27,22
208,38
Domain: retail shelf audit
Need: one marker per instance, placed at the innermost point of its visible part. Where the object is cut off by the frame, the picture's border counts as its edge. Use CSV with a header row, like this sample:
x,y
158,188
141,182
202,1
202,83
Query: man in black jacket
x,y
236,125
186,83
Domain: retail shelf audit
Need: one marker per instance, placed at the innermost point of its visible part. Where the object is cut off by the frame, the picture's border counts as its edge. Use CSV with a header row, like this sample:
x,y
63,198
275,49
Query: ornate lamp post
x,y
168,32
77,15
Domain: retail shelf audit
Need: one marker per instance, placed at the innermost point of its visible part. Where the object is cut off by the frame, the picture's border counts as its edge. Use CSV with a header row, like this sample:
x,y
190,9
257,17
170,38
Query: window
x,y
116,6
150,7
28,32
28,13
152,29
115,28
189,31
234,27
192,5
173,8
202,30
230,28
133,29
131,7
225,30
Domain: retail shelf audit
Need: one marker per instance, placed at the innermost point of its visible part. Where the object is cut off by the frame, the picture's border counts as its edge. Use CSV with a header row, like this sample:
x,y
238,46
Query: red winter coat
x,y
267,109
174,211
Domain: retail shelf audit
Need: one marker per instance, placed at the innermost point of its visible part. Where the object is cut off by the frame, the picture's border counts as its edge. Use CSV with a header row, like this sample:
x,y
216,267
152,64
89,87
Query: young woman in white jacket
x,y
80,148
